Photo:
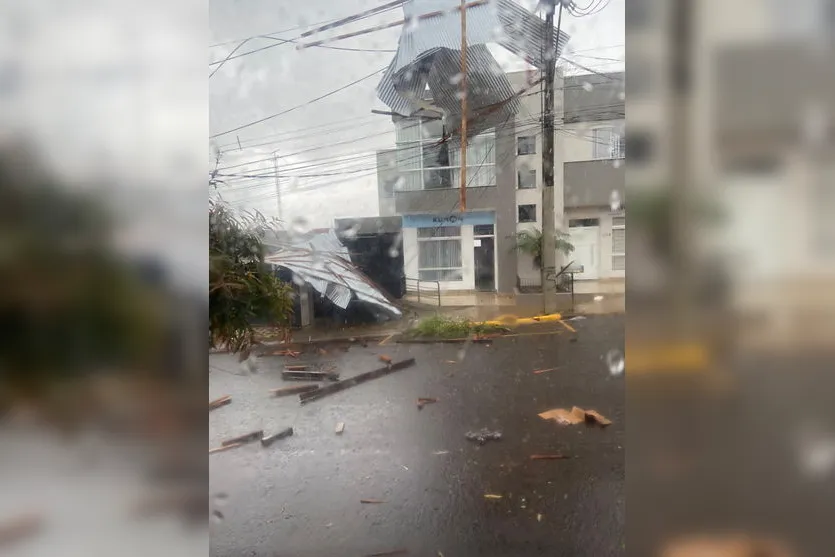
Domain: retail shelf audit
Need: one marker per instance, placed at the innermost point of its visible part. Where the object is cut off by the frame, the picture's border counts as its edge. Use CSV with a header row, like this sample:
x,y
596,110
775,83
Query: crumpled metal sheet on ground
x,y
321,261
428,54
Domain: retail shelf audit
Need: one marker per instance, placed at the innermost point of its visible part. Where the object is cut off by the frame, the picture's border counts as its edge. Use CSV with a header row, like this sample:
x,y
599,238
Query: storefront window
x,y
439,253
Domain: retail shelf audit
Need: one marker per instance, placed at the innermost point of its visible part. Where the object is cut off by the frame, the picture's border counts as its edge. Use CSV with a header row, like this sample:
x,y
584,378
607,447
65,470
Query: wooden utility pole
x,y
463,82
549,228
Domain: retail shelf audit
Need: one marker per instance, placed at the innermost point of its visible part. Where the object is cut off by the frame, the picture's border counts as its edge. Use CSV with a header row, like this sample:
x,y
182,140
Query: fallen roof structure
x,y
429,56
320,260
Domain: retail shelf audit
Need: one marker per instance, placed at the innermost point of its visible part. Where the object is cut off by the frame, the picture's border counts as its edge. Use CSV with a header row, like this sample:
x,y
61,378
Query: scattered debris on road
x,y
247,438
423,401
356,380
549,457
538,517
385,340
575,416
440,452
386,359
729,546
291,353
225,448
492,496
218,402
340,427
287,391
267,441
296,368
567,326
309,376
388,553
371,501
541,371
17,529
481,437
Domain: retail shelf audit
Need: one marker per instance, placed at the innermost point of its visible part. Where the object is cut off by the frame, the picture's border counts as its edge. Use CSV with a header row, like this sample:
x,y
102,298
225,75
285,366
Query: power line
x,y
298,106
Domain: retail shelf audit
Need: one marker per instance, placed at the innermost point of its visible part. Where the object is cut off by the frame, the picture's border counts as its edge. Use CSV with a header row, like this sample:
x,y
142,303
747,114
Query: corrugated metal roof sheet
x,y
429,54
321,261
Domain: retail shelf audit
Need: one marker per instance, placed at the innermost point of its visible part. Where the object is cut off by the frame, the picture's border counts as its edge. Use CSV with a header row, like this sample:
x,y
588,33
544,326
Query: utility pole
x,y
549,227
463,195
277,187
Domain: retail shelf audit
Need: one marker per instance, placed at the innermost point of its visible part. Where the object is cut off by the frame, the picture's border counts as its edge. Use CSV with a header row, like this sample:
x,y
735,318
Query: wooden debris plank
x,y
361,378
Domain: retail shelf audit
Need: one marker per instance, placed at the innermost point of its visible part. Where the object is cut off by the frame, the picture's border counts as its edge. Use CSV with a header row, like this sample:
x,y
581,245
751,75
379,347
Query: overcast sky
x,y
327,147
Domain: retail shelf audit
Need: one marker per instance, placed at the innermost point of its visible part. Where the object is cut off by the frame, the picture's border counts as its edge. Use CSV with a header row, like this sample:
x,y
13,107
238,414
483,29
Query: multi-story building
x,y
474,250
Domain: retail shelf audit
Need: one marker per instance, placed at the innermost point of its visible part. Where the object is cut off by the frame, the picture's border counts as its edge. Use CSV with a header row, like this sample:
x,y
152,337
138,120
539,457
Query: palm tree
x,y
530,242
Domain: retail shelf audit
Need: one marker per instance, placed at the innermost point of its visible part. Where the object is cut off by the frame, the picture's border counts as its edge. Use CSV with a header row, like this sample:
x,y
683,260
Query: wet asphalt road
x,y
301,496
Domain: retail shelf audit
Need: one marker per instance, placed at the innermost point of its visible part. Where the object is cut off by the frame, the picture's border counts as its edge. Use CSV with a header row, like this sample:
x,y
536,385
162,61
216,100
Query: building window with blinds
x,y
439,254
618,243
607,143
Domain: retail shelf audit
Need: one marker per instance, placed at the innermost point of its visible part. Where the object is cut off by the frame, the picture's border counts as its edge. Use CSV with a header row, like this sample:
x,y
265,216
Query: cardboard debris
x,y
246,438
492,496
575,416
384,358
286,391
17,529
371,501
218,402
731,546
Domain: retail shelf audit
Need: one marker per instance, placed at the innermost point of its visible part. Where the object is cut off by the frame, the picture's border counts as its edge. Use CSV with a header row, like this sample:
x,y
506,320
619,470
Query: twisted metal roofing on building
x,y
429,55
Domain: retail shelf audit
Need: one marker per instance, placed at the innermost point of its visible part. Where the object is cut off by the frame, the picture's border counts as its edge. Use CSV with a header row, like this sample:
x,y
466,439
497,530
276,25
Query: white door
x,y
586,241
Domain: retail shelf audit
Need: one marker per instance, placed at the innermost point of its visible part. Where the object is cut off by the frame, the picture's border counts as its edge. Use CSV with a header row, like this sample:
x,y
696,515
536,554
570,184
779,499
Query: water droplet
x,y
456,79
217,516
221,498
298,280
622,96
617,163
393,251
460,95
294,182
462,353
615,361
412,24
598,298
587,87
614,200
400,183
299,226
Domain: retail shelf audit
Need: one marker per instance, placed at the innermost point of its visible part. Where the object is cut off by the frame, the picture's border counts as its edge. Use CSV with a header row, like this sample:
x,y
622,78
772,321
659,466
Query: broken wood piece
x,y
218,402
17,529
539,371
356,380
267,441
224,448
286,391
492,496
385,340
340,427
296,368
388,553
371,501
247,438
549,457
423,401
309,375
291,353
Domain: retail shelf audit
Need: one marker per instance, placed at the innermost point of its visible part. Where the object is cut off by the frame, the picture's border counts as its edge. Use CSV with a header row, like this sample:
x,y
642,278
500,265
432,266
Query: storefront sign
x,y
449,219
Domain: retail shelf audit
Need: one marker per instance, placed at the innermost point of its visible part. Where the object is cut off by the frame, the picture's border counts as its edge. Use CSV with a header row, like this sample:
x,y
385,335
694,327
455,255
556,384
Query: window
x,y
483,230
527,213
526,145
581,223
638,147
526,179
607,144
439,253
425,163
618,243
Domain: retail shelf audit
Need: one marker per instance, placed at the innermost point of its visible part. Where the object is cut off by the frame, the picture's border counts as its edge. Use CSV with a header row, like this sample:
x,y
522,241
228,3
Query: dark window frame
x,y
526,207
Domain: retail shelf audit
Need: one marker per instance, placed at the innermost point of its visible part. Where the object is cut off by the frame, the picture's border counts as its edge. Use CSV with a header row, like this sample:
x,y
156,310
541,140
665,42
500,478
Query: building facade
x,y
419,181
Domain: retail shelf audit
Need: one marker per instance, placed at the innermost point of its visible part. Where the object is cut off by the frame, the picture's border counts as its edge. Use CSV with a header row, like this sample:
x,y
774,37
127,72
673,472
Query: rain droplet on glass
x,y
587,86
617,163
622,96
615,361
299,226
456,79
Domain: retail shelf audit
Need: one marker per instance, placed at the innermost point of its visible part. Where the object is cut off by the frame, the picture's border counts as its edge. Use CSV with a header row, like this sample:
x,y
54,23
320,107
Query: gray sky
x,y
334,138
